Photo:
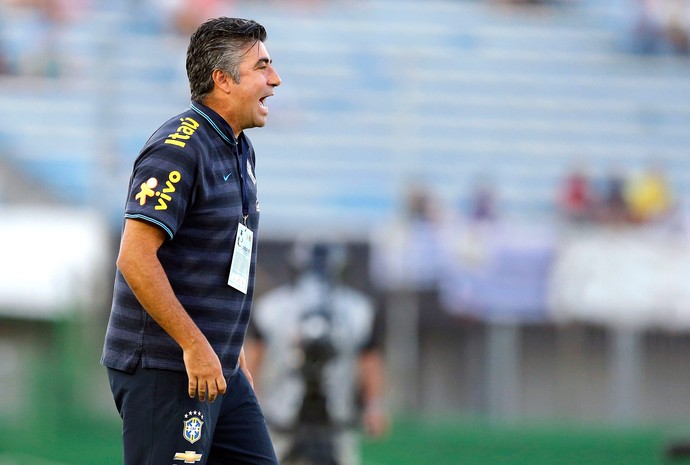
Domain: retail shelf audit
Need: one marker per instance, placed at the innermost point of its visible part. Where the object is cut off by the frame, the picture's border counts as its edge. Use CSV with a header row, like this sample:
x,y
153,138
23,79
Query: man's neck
x,y
217,105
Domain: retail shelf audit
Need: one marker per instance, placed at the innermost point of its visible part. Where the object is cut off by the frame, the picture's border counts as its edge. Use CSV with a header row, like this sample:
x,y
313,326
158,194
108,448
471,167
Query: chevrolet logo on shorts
x,y
189,456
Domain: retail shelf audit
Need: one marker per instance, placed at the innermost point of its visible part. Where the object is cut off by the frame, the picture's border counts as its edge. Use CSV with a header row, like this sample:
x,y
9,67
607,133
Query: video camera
x,y
314,430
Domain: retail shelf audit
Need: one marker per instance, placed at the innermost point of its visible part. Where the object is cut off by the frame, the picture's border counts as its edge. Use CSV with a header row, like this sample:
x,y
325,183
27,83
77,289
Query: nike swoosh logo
x,y
225,178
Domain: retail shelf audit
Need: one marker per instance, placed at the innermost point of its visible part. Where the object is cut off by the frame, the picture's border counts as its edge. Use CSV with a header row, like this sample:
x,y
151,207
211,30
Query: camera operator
x,y
314,351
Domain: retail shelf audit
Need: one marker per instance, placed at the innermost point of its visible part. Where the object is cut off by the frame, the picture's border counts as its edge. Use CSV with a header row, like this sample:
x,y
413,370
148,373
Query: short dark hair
x,y
219,43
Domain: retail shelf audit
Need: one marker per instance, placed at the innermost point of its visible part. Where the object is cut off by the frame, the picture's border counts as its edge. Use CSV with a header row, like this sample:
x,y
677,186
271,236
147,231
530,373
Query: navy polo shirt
x,y
187,180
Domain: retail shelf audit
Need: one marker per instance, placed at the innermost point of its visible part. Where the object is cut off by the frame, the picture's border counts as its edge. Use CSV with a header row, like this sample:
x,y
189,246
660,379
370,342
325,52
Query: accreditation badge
x,y
241,259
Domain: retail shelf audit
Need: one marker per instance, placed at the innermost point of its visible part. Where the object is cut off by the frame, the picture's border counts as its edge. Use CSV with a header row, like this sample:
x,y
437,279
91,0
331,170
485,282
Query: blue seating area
x,y
374,94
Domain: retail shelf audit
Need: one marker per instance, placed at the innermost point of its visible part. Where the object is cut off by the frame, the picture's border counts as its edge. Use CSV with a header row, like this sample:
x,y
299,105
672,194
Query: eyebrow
x,y
262,61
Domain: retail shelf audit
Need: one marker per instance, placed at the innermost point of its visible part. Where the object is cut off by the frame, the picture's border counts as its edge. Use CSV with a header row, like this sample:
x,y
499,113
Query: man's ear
x,y
222,80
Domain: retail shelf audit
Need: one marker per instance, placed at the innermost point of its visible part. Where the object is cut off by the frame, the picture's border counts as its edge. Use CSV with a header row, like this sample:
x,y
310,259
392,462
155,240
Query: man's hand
x,y
205,372
375,420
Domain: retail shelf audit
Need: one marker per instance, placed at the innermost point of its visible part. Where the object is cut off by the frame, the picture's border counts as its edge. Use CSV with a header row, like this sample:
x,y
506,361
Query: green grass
x,y
75,440
478,443
61,440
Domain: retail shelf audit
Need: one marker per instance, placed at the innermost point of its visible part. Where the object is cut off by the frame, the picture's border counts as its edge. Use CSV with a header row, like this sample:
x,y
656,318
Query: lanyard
x,y
241,155
243,160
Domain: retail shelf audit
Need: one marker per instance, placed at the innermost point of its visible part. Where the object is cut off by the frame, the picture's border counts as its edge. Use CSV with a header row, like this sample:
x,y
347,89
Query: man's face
x,y
247,106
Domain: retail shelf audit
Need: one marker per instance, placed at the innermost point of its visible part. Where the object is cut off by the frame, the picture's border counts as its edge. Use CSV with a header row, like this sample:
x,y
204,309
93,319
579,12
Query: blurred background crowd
x,y
509,178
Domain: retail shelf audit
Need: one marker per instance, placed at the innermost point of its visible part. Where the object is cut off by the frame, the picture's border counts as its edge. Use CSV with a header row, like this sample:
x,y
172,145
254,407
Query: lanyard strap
x,y
243,160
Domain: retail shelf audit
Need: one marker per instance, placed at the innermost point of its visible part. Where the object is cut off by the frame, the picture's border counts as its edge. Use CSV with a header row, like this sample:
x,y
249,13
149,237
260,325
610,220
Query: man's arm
x,y
138,262
372,378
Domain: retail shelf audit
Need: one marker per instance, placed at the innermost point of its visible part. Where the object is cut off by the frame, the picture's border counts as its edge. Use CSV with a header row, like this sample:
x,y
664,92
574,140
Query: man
x,y
315,352
186,267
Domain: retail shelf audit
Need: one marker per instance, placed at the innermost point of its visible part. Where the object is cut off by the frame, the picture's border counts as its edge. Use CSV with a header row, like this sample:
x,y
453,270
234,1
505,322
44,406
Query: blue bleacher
x,y
374,93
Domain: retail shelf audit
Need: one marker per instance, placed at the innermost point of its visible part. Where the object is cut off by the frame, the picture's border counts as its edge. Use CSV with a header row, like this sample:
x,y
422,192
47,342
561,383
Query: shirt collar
x,y
217,122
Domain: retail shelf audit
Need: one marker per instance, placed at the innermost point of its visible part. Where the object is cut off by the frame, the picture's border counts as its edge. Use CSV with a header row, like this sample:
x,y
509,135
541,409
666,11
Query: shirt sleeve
x,y
161,187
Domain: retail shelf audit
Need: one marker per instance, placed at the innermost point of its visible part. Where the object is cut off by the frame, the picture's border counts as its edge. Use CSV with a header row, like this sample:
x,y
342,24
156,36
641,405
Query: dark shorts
x,y
162,425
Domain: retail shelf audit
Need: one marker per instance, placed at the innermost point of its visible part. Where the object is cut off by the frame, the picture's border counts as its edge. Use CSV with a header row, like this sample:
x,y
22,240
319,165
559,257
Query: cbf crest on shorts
x,y
192,426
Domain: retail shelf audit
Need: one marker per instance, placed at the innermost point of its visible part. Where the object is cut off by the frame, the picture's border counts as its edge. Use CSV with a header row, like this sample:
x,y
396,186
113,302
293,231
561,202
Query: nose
x,y
274,79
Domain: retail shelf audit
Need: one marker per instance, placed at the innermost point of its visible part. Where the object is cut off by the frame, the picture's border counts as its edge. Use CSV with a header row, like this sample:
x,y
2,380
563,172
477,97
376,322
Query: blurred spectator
x,y
613,207
322,357
526,2
649,196
483,202
470,236
659,26
646,31
498,268
183,17
407,252
4,62
577,199
676,26
38,26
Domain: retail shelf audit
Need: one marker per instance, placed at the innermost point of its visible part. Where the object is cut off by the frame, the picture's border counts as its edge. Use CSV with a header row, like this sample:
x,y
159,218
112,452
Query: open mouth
x,y
262,103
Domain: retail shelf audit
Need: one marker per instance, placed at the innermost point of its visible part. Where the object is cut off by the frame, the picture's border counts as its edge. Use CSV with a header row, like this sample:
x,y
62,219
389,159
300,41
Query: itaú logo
x,y
183,133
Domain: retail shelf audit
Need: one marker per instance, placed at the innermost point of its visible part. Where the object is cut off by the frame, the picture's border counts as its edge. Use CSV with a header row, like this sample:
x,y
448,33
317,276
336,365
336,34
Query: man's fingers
x,y
212,391
192,387
202,391
218,387
206,386
222,385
